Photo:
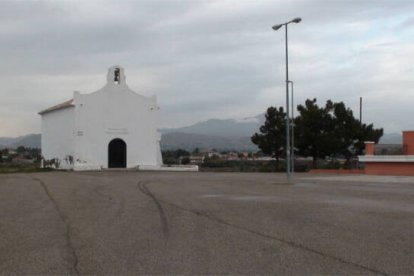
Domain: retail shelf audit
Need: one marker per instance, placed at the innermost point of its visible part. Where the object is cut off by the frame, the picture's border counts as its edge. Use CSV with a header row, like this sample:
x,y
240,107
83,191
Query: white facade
x,y
112,127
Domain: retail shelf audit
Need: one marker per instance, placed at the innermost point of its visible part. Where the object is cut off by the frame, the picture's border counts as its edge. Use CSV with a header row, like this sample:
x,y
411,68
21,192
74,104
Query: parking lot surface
x,y
123,222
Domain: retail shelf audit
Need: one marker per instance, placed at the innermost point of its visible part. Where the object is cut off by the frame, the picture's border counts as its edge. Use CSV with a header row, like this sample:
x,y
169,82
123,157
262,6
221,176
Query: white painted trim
x,y
386,158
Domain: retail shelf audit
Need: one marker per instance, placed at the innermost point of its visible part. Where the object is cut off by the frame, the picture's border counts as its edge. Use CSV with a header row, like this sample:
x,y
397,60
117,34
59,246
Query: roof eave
x,y
56,109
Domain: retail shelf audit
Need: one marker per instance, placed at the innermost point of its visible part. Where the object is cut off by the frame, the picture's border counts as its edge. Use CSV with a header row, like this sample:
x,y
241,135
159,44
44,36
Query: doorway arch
x,y
117,153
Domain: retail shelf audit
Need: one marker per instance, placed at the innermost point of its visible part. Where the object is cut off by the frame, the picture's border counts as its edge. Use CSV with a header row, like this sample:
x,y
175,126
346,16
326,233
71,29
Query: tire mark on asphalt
x,y
251,231
68,234
117,204
98,191
163,219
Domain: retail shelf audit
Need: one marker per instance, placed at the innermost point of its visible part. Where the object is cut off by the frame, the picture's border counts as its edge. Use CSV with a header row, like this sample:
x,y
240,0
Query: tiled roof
x,y
58,106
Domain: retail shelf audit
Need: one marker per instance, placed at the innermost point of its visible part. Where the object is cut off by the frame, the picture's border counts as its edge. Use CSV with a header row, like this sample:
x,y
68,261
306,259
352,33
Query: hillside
x,y
28,141
190,141
229,134
226,128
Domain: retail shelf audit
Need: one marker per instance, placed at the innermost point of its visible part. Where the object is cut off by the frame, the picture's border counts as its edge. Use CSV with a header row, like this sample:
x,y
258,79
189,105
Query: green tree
x,y
21,150
350,134
171,156
314,130
367,133
345,129
180,152
331,130
168,157
271,139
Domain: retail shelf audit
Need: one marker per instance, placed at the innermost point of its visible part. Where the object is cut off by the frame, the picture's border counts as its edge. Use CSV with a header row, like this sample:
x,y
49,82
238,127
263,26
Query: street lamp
x,y
292,157
277,27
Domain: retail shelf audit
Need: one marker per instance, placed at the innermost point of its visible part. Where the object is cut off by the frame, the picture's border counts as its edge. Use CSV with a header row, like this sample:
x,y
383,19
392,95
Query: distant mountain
x,y
391,138
6,141
188,141
28,141
230,134
225,128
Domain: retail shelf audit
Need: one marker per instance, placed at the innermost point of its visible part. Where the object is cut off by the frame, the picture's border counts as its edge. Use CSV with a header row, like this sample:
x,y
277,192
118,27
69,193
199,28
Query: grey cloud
x,y
205,58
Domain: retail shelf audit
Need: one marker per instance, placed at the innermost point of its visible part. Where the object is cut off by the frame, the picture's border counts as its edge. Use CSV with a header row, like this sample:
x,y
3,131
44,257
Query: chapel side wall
x,y
116,112
57,140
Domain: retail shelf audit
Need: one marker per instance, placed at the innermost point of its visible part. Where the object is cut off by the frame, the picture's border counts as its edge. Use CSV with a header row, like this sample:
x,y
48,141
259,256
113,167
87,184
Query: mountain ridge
x,y
220,134
222,127
28,141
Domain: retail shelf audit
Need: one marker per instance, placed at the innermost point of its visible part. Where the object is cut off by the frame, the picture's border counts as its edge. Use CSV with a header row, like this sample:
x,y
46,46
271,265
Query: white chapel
x,y
113,127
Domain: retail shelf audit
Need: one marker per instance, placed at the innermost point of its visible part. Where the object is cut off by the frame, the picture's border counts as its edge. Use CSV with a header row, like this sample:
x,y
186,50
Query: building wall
x,y
408,142
57,138
115,111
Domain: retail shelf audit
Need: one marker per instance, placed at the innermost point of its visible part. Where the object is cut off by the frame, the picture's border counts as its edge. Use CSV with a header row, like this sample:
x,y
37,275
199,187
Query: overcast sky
x,y
209,59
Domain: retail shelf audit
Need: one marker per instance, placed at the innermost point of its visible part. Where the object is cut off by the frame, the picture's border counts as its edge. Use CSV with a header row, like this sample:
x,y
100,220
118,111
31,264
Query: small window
x,y
117,78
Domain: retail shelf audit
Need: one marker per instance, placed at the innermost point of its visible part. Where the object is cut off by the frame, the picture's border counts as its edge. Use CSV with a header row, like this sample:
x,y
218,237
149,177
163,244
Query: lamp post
x,y
277,27
292,146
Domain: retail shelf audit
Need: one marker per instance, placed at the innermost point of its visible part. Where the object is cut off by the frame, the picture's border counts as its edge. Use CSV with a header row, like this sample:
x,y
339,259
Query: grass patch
x,y
248,166
22,168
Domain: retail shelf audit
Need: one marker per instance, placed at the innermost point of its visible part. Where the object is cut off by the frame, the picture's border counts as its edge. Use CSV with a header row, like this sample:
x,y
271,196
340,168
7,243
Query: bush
x,y
301,168
334,164
352,164
241,166
185,160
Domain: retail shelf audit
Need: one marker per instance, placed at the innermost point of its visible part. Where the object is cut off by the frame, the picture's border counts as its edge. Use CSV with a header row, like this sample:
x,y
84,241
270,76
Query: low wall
x,y
337,171
390,168
376,168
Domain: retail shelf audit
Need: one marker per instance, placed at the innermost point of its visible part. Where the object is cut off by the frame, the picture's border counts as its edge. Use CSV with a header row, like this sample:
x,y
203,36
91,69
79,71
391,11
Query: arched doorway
x,y
117,154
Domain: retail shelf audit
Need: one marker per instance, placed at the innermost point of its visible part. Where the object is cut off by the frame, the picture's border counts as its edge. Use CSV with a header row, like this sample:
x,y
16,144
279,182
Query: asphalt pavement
x,y
124,222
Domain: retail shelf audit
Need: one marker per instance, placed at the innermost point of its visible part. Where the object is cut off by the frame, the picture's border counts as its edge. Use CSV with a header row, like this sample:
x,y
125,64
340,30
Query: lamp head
x,y
296,20
277,27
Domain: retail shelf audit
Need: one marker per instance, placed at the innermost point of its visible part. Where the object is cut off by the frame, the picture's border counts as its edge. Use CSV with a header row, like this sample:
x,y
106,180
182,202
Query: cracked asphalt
x,y
205,223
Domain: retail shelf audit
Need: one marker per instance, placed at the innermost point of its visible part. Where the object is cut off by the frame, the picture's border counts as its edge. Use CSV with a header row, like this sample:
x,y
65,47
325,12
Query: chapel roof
x,y
63,105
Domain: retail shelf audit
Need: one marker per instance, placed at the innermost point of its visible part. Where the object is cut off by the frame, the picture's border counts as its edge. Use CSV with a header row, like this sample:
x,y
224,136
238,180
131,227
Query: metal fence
x,y
388,149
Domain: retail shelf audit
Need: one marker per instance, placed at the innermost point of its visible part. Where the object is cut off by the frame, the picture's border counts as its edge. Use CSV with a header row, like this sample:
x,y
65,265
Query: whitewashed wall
x,y
58,137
